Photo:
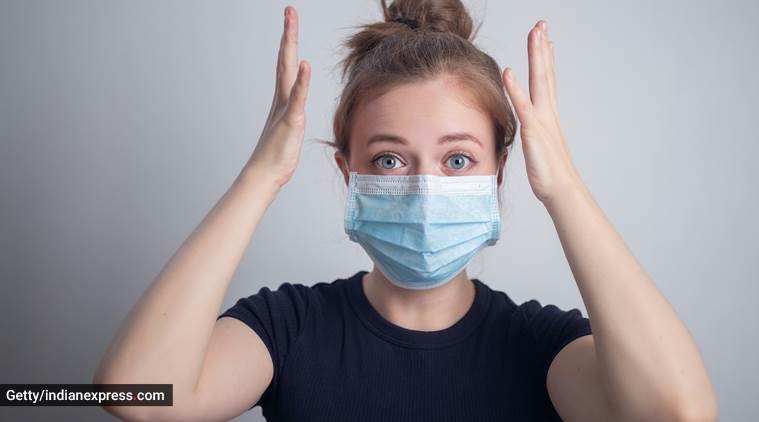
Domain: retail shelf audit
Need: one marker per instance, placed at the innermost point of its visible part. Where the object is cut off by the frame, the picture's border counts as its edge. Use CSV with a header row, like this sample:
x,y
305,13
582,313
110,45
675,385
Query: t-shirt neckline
x,y
415,338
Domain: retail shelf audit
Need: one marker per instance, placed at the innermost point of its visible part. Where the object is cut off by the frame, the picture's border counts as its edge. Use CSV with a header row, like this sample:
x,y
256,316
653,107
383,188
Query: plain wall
x,y
122,123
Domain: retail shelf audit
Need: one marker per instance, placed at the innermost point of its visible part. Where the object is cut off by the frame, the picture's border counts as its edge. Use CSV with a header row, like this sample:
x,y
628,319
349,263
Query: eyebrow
x,y
451,137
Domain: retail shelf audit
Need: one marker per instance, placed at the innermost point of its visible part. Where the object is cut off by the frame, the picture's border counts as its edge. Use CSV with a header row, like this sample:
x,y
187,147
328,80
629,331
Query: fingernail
x,y
538,34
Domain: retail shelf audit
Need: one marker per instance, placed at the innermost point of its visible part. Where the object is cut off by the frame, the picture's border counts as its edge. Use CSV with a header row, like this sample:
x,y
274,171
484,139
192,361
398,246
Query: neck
x,y
423,310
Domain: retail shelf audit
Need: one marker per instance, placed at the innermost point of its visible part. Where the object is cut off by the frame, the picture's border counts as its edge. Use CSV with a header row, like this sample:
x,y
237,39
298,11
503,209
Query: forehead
x,y
423,110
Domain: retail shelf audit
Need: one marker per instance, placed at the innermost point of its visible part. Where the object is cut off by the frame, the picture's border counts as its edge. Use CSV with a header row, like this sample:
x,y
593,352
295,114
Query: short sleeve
x,y
552,328
277,316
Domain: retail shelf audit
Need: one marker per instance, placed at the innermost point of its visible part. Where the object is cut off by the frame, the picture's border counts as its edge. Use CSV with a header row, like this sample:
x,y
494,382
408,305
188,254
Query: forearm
x,y
164,337
648,361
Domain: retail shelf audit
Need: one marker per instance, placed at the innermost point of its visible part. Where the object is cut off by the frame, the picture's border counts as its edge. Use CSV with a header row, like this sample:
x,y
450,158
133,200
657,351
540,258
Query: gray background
x,y
122,123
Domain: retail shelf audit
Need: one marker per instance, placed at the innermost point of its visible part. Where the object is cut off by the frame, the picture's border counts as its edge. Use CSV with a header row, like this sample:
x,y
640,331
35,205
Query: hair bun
x,y
431,15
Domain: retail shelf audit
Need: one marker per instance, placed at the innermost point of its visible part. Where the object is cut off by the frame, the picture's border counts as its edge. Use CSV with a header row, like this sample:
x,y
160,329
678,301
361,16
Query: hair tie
x,y
412,23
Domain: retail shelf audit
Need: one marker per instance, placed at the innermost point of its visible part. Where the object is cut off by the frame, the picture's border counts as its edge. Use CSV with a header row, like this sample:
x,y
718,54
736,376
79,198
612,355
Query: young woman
x,y
422,133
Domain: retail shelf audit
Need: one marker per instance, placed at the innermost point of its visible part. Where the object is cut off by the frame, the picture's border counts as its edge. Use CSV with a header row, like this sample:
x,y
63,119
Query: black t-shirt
x,y
337,359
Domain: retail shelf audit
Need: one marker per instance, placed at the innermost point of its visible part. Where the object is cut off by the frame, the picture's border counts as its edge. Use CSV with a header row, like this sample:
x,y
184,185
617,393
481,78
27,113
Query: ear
x,y
501,164
342,163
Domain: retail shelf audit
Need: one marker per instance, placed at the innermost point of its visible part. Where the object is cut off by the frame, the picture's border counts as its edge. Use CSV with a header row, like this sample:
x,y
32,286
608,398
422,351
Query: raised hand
x,y
278,150
550,170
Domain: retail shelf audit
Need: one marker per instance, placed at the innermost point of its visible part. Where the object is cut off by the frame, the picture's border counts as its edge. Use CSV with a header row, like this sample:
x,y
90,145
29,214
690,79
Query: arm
x,y
647,363
641,362
166,334
171,334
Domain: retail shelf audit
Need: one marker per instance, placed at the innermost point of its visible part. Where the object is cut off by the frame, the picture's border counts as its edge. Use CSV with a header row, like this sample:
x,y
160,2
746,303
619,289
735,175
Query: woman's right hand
x,y
222,366
278,150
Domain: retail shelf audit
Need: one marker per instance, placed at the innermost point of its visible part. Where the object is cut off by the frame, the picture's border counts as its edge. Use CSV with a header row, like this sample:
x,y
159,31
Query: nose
x,y
427,167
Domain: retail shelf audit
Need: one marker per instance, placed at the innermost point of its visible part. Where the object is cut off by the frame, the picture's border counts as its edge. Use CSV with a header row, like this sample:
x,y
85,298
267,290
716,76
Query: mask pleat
x,y
422,230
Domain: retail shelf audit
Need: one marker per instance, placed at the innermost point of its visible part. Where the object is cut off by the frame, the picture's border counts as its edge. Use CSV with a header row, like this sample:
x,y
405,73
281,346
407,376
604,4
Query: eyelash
x,y
471,159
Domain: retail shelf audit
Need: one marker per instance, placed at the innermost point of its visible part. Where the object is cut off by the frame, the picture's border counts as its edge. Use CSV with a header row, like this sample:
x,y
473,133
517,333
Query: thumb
x,y
295,113
522,104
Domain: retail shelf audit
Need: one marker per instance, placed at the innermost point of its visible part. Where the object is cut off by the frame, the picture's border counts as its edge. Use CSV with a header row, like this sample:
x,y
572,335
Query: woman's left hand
x,y
550,170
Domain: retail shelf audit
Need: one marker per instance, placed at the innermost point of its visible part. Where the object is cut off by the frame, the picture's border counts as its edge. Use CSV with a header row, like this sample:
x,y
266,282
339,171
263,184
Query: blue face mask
x,y
422,230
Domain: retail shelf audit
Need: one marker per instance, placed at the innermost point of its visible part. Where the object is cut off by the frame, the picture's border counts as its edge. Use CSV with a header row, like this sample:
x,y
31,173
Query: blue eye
x,y
387,161
458,161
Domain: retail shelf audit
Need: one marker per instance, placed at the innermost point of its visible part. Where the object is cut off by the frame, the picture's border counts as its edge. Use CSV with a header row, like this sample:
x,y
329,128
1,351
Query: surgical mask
x,y
422,230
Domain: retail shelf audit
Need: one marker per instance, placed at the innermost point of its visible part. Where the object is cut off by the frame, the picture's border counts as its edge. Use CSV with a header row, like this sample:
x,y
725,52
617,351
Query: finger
x,y
278,101
549,61
287,60
552,73
522,103
539,90
296,106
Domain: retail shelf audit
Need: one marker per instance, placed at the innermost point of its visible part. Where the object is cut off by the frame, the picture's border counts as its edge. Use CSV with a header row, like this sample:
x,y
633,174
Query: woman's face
x,y
430,127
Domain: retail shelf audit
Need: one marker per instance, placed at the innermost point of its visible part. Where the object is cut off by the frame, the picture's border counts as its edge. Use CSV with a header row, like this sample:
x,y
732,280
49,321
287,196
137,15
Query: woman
x,y
422,134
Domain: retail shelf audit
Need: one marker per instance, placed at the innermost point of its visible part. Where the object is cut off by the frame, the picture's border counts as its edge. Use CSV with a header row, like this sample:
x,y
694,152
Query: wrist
x,y
256,175
570,194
